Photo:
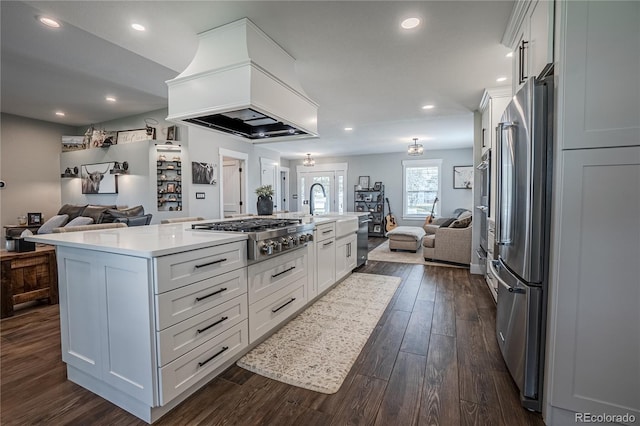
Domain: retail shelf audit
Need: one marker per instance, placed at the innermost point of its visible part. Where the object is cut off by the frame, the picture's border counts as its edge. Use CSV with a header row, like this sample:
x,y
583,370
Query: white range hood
x,y
242,83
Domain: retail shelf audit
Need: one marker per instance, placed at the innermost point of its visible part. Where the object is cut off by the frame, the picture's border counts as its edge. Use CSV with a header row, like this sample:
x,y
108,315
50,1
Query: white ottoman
x,y
405,238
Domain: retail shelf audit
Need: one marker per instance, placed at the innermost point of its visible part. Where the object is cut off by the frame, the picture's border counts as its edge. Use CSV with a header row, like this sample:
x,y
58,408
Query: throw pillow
x,y
79,221
461,223
72,210
447,222
55,222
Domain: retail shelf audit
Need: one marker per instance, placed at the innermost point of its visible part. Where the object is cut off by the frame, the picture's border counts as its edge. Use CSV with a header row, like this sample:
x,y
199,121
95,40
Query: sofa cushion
x,y
457,213
55,222
95,212
461,223
72,210
79,221
110,214
429,241
464,215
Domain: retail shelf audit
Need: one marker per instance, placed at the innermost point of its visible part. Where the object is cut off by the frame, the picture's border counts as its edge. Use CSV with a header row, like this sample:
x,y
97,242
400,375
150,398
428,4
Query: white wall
x,y
30,166
387,168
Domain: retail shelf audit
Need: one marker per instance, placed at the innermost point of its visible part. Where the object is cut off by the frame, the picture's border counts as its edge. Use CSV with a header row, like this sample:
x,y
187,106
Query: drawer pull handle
x,y
224,348
283,272
211,294
327,244
277,309
202,330
326,232
211,263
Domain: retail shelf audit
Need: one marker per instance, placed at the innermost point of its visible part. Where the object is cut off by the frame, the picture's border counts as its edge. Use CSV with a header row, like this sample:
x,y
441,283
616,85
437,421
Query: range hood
x,y
242,83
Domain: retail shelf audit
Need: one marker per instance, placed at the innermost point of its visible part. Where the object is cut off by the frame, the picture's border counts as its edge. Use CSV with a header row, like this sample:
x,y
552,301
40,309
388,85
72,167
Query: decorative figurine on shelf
x,y
265,202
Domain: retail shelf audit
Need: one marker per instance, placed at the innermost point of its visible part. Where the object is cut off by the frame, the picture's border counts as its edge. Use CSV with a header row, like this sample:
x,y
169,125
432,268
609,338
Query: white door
x,y
232,187
322,203
269,176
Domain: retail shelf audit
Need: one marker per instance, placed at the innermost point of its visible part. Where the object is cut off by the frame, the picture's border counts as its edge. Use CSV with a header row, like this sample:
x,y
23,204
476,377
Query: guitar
x,y
390,219
430,218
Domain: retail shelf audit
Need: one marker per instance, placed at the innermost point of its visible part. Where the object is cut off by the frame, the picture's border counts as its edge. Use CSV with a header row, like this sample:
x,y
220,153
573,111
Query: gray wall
x,y
30,165
387,168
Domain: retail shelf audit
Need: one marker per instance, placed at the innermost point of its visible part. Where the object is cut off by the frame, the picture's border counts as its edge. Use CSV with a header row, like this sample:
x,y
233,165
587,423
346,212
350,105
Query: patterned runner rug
x,y
316,349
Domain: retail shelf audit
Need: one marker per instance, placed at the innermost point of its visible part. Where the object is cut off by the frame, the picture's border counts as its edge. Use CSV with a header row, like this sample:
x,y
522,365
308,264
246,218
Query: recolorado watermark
x,y
604,418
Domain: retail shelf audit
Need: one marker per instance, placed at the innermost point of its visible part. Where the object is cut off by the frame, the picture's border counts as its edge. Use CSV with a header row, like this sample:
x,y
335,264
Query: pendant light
x,y
309,162
416,148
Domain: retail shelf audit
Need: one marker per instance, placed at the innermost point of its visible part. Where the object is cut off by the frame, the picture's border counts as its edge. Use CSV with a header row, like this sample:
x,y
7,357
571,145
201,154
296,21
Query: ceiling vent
x,y
242,83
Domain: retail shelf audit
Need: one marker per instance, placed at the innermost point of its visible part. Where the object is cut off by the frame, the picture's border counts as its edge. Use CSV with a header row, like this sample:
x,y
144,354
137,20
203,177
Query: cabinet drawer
x,y
267,277
181,338
185,371
178,270
267,313
325,231
179,304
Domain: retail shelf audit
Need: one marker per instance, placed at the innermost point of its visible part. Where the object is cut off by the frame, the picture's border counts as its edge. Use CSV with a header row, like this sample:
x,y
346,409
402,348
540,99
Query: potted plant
x,y
265,202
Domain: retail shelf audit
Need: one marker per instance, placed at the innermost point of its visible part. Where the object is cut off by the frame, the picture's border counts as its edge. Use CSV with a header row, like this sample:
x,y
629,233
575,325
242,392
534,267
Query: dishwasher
x,y
363,239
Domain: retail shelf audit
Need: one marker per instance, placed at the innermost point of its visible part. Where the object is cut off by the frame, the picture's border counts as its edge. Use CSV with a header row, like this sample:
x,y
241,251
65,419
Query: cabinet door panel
x,y
595,292
326,264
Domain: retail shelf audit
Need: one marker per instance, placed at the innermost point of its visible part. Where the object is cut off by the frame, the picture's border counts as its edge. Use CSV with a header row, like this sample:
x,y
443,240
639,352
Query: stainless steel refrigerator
x,y
524,167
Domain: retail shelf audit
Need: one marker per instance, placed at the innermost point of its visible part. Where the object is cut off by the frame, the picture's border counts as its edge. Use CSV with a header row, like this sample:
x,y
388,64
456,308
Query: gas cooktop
x,y
248,225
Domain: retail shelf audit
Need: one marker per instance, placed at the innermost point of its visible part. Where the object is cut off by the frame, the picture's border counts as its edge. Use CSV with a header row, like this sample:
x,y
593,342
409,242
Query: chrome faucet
x,y
311,196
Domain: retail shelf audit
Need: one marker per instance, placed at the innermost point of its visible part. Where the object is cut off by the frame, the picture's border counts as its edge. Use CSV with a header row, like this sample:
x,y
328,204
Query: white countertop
x,y
141,241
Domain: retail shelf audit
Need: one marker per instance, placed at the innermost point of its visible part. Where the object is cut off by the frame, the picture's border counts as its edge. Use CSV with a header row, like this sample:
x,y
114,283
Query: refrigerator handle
x,y
492,267
505,185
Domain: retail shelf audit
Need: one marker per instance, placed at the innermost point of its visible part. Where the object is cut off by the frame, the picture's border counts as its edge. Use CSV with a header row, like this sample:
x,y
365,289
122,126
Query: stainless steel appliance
x,y
363,239
268,237
525,137
485,201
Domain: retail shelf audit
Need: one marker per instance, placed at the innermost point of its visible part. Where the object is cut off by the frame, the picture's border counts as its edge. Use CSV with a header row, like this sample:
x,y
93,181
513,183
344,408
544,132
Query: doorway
x,y
233,183
333,179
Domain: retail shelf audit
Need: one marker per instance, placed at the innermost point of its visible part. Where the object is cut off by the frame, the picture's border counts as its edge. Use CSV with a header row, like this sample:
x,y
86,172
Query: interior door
x,y
232,187
269,176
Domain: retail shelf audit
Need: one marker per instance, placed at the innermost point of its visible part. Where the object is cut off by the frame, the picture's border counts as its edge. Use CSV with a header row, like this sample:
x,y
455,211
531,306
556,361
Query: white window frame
x,y
419,163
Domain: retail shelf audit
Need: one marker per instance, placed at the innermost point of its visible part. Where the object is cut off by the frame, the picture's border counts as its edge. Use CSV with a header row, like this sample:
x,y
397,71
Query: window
x,y
421,180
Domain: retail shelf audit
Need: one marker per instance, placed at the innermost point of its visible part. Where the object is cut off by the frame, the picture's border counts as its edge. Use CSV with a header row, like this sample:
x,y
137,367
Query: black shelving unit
x,y
169,169
371,200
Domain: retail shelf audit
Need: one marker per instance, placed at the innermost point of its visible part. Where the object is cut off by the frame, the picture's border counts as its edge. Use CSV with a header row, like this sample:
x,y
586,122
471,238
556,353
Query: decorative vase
x,y
265,205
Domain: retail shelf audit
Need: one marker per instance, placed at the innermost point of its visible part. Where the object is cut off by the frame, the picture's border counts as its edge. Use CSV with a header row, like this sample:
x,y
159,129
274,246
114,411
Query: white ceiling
x,y
352,59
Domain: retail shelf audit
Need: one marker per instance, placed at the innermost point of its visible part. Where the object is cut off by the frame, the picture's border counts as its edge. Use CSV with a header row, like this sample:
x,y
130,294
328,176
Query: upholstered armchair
x,y
449,245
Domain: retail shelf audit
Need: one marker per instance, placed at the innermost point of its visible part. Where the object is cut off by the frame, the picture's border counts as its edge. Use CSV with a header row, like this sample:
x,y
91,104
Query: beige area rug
x,y
383,254
316,349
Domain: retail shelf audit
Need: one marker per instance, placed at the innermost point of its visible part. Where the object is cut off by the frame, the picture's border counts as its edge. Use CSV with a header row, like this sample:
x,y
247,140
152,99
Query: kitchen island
x,y
151,314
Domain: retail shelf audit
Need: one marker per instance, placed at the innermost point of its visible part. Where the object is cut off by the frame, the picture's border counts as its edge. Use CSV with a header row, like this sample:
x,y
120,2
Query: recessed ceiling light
x,y
409,23
49,22
501,79
509,55
138,27
110,99
60,113
348,129
428,107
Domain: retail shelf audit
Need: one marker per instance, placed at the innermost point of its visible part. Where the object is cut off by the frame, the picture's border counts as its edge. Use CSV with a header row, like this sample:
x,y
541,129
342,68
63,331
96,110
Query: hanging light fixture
x,y
309,162
416,148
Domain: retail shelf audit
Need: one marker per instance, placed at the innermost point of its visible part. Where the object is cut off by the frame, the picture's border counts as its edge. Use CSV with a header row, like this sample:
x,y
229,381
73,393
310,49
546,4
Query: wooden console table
x,y
28,276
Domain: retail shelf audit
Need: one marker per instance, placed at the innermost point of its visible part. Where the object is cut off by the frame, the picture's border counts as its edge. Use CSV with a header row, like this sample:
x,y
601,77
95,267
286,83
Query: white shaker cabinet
x,y
531,36
595,296
346,255
325,256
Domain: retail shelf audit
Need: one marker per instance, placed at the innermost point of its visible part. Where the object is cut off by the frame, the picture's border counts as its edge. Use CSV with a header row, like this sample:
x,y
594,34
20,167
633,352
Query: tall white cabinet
x,y
593,350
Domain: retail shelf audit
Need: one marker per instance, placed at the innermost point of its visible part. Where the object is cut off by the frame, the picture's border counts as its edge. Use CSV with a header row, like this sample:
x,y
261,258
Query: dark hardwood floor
x,y
431,360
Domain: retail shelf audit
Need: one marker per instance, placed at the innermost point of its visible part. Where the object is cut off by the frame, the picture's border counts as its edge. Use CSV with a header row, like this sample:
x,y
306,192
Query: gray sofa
x,y
449,241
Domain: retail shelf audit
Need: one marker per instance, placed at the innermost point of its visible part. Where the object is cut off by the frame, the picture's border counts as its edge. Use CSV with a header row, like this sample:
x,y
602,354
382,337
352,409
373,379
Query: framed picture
x,y
34,219
130,136
462,177
376,228
359,197
171,133
203,173
96,179
363,181
171,187
377,186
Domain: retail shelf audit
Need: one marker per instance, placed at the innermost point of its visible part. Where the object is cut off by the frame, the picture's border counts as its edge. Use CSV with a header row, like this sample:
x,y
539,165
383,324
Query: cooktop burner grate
x,y
247,225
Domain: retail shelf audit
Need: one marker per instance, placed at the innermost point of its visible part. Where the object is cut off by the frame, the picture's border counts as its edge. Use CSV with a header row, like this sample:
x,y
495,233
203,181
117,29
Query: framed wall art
x,y
96,179
462,177
363,181
34,219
